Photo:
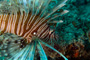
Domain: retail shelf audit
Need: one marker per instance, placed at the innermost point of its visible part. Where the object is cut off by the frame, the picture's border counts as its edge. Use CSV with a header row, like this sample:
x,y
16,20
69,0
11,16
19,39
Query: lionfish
x,y
28,20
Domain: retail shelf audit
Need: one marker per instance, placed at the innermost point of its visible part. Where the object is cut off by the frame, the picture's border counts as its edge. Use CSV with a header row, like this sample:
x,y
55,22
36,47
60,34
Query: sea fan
x,y
28,19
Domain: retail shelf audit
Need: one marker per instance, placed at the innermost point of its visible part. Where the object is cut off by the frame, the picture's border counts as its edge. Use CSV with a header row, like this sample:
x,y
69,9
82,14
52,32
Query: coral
x,y
75,49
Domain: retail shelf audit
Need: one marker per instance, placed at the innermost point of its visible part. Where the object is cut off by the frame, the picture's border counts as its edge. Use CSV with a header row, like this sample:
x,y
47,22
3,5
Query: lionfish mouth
x,y
25,26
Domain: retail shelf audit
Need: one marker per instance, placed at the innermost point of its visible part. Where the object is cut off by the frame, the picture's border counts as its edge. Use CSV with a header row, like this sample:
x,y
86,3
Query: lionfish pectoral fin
x,y
11,44
54,49
26,54
32,51
41,52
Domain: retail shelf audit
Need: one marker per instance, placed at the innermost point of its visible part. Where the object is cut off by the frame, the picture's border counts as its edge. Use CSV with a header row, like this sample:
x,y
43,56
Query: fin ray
x,y
41,52
54,50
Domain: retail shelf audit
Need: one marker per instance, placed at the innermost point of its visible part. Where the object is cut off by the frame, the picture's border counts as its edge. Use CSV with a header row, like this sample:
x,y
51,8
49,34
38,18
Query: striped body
x,y
25,25
28,19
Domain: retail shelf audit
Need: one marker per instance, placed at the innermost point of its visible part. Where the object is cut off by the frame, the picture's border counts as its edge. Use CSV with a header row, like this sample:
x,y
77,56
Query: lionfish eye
x,y
34,33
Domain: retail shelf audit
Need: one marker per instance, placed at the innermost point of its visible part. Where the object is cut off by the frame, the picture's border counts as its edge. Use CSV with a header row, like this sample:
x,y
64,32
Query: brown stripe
x,y
16,23
39,23
46,37
13,24
20,24
9,23
44,31
4,23
1,18
32,26
22,32
25,24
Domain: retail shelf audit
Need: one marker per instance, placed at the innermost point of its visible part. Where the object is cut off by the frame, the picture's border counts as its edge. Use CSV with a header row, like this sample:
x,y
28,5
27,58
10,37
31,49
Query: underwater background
x,y
74,31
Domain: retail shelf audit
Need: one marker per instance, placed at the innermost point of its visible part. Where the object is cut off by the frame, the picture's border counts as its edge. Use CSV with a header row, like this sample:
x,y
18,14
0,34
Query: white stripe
x,y
19,25
1,17
41,30
22,27
13,23
9,23
3,22
45,33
